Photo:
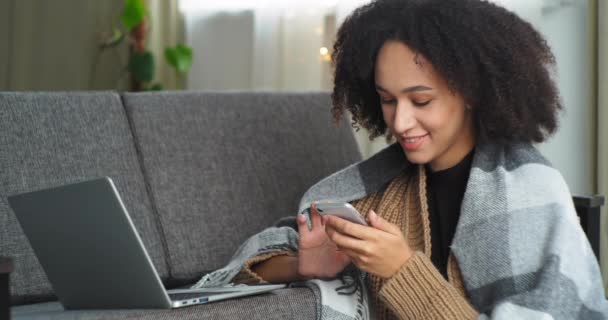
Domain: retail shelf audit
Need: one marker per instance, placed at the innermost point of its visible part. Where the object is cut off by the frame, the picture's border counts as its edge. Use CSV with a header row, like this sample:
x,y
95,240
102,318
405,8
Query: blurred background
x,y
281,45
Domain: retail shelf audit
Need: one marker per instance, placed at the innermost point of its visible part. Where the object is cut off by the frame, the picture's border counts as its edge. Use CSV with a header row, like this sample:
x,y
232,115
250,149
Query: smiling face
x,y
429,120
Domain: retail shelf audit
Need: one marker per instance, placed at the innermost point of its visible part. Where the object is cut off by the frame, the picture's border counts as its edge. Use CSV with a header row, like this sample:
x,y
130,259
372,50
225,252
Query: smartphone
x,y
341,209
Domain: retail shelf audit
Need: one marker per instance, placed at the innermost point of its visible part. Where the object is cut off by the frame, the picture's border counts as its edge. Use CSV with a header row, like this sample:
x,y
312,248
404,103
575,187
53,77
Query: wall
x,y
601,8
5,32
52,45
572,149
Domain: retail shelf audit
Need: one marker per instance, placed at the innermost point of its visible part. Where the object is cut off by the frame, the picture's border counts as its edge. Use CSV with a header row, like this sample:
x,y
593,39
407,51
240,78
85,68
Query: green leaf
x,y
141,66
133,13
155,87
179,57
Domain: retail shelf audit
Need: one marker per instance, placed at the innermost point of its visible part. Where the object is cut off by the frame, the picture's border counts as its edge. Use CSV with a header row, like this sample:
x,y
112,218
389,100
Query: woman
x,y
467,219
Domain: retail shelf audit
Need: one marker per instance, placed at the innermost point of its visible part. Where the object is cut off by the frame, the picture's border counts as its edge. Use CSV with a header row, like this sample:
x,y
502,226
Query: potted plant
x,y
141,64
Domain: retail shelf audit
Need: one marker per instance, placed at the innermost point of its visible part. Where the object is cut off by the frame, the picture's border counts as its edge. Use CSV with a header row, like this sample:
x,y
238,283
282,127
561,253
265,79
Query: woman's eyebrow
x,y
406,90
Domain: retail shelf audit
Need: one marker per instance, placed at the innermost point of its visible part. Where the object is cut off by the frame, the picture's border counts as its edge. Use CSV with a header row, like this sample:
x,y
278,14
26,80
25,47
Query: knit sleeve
x,y
418,291
247,276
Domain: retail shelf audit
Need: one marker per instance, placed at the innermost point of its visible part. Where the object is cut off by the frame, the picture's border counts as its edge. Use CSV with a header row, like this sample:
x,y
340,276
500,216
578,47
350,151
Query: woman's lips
x,y
413,144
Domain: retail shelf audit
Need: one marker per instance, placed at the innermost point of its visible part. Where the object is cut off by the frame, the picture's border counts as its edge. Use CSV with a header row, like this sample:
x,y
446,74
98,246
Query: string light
x,y
325,54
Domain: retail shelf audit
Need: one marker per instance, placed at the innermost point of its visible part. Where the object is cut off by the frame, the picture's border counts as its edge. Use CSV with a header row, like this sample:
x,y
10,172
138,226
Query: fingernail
x,y
372,214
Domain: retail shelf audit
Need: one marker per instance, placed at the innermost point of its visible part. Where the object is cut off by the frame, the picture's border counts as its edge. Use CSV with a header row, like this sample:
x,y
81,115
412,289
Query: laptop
x,y
93,256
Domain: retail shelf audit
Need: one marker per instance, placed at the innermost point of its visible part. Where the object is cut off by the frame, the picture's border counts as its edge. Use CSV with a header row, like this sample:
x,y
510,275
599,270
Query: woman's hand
x,y
318,257
380,249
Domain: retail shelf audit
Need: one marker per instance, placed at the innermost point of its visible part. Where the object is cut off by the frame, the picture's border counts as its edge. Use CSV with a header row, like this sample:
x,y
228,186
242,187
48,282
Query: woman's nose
x,y
404,118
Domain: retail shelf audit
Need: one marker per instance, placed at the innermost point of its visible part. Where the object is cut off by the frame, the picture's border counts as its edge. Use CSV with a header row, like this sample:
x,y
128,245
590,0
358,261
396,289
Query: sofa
x,y
198,172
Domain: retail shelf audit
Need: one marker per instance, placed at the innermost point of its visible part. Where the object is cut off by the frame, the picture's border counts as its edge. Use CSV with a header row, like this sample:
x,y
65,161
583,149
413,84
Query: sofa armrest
x,y
588,209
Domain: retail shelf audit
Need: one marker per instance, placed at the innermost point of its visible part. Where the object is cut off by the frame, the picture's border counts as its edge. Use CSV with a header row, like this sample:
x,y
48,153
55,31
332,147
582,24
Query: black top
x,y
445,190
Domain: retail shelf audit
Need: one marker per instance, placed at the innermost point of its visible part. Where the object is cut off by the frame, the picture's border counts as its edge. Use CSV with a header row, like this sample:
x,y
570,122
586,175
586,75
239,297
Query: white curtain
x,y
166,30
286,47
260,45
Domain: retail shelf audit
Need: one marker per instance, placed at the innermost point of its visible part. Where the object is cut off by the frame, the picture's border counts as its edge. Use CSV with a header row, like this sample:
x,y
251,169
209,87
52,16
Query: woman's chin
x,y
417,157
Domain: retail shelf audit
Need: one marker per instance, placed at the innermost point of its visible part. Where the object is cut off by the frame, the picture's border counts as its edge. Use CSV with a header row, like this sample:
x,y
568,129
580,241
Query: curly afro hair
x,y
500,65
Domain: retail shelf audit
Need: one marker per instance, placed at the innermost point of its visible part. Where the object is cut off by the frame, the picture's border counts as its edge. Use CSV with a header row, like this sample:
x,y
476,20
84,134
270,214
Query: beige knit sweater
x,y
417,290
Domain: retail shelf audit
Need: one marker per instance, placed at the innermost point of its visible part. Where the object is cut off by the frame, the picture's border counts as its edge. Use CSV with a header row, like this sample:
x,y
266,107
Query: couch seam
x,y
149,191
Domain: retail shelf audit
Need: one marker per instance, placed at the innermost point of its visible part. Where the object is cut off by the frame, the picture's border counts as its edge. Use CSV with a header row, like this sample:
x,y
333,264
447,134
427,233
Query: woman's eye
x,y
421,104
387,101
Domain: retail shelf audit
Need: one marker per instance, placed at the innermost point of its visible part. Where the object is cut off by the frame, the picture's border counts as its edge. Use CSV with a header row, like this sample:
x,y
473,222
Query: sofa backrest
x,y
223,166
49,139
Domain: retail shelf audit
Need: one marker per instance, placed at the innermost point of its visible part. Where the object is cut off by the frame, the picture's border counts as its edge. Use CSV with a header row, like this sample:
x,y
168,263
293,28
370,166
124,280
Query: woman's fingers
x,y
344,241
302,226
352,229
315,218
316,221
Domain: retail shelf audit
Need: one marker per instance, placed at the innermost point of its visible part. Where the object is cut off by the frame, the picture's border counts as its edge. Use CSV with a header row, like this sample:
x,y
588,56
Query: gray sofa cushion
x,y
296,303
223,166
49,139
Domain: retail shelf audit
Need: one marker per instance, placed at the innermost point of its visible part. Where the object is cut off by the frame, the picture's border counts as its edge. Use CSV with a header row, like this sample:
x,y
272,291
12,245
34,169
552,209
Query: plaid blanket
x,y
344,298
520,248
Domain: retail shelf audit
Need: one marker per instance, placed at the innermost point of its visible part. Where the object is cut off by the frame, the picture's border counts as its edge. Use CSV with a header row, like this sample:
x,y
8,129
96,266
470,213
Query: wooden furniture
x,y
588,210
